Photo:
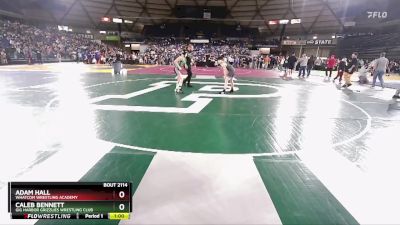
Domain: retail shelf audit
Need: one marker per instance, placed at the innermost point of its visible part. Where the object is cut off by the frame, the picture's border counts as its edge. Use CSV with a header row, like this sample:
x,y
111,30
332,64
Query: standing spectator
x,y
267,60
273,62
3,57
237,61
310,65
318,63
59,57
285,65
281,62
350,69
39,56
303,65
341,68
30,58
390,67
380,65
230,60
97,57
331,63
291,63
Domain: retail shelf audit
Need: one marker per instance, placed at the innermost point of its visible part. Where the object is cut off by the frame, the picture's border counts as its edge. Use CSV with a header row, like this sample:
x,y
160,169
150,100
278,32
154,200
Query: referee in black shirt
x,y
188,66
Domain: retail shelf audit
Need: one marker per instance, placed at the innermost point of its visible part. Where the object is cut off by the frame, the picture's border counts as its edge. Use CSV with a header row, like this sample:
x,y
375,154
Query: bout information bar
x,y
69,200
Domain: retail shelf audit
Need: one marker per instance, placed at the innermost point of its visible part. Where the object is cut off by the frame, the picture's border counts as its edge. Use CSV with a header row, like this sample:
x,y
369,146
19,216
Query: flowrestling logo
x,y
377,15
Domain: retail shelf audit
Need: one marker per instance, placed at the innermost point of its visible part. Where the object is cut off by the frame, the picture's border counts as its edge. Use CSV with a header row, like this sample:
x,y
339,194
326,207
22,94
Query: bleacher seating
x,y
370,46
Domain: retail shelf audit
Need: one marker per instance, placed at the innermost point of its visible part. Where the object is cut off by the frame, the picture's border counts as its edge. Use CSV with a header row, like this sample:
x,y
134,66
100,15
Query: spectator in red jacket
x,y
330,64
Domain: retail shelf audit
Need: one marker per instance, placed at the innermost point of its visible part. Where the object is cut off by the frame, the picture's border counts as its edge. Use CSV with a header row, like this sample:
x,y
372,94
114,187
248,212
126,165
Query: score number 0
x,y
121,195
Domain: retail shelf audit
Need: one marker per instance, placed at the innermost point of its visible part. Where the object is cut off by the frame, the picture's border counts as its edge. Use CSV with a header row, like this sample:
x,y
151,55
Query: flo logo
x,y
200,99
377,15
